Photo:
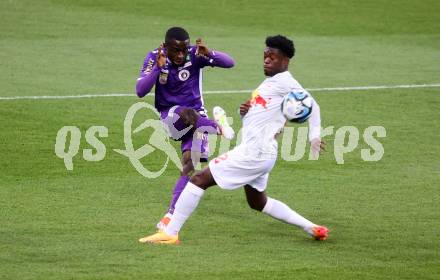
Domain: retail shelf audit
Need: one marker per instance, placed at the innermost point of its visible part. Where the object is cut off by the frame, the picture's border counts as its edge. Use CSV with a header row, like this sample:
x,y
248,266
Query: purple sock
x,y
207,124
178,188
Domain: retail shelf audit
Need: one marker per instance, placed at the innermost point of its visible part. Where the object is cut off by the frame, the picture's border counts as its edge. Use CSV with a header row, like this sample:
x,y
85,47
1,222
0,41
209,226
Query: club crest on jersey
x,y
257,99
163,77
183,75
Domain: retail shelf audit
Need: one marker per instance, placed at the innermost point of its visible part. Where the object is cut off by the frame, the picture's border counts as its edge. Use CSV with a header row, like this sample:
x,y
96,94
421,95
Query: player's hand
x,y
161,57
202,49
244,108
317,146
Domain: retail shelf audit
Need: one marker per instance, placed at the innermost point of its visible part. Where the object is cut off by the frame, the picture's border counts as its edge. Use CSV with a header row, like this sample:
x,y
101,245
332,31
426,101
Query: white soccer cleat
x,y
222,121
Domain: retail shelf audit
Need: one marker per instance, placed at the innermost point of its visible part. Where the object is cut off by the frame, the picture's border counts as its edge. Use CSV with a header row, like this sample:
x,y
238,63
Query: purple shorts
x,y
179,132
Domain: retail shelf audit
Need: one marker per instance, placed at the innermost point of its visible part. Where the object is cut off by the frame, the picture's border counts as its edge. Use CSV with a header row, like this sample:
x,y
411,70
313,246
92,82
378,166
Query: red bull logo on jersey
x,y
257,99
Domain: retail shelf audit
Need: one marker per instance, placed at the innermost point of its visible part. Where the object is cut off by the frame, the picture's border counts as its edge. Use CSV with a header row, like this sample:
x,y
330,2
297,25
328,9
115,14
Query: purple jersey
x,y
178,85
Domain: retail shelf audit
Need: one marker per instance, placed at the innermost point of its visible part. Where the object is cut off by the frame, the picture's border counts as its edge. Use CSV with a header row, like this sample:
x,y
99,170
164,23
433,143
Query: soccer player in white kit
x,y
249,163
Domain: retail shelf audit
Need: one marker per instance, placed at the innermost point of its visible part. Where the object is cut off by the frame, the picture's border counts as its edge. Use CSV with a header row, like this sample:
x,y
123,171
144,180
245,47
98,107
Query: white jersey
x,y
265,118
250,162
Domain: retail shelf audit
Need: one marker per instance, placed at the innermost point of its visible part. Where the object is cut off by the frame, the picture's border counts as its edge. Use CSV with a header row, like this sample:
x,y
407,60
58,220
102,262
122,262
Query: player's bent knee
x,y
189,116
197,179
256,200
203,179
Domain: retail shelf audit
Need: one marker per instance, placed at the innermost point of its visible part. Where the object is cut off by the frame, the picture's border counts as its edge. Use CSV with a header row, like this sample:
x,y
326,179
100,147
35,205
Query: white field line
x,y
217,92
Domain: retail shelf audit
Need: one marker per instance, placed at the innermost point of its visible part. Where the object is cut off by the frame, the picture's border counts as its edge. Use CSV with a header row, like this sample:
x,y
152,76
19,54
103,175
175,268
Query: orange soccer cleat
x,y
320,233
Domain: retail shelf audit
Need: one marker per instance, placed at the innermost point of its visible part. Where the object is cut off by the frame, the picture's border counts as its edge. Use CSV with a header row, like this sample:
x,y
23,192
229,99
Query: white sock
x,y
282,212
186,204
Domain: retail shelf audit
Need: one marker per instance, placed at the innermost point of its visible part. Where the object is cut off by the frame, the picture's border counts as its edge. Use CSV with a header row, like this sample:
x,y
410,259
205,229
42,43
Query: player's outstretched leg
x,y
280,211
189,117
178,188
185,206
188,168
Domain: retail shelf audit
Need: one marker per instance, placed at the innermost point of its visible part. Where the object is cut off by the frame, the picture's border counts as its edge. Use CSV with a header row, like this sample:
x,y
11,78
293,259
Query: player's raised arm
x,y
213,58
154,61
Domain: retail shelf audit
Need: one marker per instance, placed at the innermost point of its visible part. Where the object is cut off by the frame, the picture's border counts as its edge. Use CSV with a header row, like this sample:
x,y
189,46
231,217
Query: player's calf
x,y
255,199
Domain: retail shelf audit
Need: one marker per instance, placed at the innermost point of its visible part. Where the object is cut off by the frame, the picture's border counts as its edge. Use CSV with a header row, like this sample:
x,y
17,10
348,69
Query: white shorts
x,y
237,168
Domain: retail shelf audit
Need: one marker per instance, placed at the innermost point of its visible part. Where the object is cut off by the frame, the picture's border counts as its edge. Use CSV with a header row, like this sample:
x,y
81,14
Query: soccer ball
x,y
297,106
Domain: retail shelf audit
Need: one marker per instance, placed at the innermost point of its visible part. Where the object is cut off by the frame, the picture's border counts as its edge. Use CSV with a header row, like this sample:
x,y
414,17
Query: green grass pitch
x,y
84,224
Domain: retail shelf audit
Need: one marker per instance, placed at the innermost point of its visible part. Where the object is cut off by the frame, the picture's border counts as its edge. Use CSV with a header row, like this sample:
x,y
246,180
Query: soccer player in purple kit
x,y
175,69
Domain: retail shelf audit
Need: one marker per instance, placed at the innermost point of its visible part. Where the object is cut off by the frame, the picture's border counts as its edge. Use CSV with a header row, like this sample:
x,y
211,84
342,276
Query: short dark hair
x,y
176,33
281,43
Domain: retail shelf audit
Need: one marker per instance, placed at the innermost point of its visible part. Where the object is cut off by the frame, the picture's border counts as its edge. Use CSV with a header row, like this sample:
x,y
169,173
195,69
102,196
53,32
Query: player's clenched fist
x,y
318,147
244,108
202,49
161,57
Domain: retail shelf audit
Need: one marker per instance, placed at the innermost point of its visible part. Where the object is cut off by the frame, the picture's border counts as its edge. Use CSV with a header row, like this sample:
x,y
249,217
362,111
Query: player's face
x,y
177,51
274,62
